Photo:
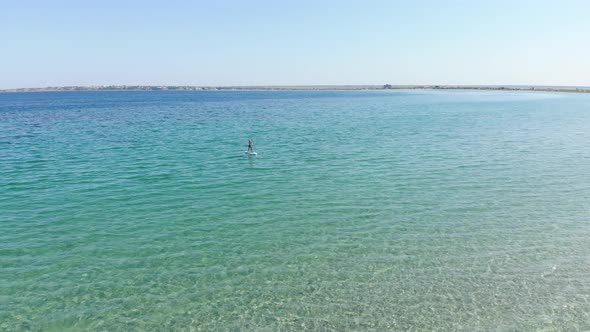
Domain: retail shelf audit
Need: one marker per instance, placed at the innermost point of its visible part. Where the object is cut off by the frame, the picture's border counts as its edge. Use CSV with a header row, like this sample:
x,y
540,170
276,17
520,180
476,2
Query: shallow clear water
x,y
417,210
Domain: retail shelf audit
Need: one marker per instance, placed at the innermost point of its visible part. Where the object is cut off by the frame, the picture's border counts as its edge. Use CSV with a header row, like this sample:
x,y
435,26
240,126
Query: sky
x,y
221,43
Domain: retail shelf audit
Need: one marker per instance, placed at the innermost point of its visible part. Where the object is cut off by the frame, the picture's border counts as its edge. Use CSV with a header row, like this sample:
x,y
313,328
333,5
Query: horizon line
x,y
139,87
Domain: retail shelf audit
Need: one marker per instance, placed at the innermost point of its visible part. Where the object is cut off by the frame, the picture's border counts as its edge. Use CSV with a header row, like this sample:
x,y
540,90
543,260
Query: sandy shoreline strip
x,y
305,88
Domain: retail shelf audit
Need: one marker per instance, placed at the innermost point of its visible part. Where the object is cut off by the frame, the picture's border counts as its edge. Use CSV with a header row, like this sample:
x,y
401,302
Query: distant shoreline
x,y
305,88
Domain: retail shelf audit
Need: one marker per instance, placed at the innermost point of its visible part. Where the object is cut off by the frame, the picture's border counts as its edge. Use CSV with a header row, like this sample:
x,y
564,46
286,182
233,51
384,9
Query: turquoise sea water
x,y
382,210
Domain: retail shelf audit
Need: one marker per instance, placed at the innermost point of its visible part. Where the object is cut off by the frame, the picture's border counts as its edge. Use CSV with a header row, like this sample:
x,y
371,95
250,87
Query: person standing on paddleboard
x,y
250,146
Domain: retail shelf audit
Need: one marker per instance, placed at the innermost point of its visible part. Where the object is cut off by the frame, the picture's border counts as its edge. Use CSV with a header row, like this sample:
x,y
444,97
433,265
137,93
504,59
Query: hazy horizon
x,y
262,43
395,86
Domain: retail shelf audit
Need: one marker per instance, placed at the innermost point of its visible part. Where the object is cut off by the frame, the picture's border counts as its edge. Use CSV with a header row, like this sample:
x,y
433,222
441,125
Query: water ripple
x,y
363,211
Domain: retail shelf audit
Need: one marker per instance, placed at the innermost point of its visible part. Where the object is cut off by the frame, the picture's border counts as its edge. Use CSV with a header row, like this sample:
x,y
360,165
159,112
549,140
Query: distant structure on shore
x,y
303,88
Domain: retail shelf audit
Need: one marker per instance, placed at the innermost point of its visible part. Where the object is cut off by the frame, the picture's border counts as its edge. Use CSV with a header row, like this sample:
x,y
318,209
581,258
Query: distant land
x,y
303,88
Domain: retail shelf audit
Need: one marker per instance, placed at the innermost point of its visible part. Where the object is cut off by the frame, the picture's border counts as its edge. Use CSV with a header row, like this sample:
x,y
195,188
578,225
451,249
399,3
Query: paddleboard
x,y
250,153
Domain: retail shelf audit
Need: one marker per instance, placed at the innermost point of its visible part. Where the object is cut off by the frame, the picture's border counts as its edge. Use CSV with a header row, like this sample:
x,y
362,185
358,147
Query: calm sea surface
x,y
383,210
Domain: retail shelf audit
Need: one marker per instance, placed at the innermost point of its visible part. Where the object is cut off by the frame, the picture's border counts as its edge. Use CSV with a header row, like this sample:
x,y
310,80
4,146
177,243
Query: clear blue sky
x,y
54,43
